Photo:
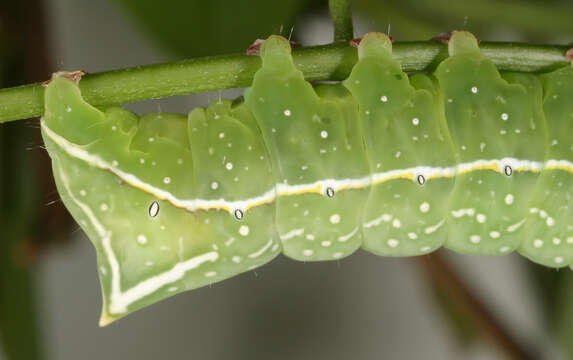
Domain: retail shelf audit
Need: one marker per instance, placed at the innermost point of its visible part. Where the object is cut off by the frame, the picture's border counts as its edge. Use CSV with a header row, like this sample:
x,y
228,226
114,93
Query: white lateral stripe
x,y
320,186
119,301
431,229
259,252
291,234
343,238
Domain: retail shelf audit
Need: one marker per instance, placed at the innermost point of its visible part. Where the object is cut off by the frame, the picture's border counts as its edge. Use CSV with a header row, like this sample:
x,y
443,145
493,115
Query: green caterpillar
x,y
399,165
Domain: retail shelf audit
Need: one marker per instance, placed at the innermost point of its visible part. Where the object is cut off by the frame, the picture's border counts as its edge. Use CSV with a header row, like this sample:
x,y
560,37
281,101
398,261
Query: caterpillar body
x,y
467,158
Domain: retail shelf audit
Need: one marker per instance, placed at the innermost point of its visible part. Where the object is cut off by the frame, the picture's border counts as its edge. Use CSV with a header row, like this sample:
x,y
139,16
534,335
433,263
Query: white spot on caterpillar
x,y
334,219
114,163
474,89
114,128
396,223
104,207
343,238
142,239
461,212
550,221
309,237
214,185
151,139
244,230
494,234
142,161
179,161
292,233
558,260
504,249
229,166
384,98
570,240
262,250
412,236
504,116
425,248
482,146
337,255
236,259
398,154
287,112
415,121
481,218
392,243
424,207
173,289
515,226
210,274
509,199
537,243
475,239
166,180
307,252
432,229
556,241
326,243
221,135
323,134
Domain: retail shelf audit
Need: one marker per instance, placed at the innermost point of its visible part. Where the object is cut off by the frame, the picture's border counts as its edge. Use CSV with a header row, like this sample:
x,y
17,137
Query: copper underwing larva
x,y
465,157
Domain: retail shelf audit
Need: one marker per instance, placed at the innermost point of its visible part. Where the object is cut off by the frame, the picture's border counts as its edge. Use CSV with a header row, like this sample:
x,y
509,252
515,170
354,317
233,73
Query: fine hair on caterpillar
x,y
466,157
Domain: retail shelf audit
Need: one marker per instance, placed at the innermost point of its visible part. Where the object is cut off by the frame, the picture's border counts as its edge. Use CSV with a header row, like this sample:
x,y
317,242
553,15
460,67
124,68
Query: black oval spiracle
x,y
330,192
239,215
508,170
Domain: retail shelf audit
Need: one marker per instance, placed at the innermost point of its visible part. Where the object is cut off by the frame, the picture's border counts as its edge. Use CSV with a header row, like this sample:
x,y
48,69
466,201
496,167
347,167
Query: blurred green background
x,y
362,307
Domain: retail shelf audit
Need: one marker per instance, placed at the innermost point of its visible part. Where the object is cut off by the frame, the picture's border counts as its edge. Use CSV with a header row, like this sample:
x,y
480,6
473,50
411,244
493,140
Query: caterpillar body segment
x,y
404,128
311,139
466,158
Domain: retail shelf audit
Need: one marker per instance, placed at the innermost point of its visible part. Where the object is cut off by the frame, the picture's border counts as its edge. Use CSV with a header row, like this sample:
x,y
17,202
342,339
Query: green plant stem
x,y
341,19
327,62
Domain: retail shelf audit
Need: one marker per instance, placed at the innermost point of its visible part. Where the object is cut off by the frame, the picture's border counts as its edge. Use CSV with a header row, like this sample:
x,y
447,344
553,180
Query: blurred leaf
x,y
563,314
199,28
422,19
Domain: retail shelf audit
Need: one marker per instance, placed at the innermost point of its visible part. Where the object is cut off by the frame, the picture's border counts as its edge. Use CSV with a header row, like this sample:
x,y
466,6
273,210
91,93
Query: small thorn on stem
x,y
356,41
75,76
444,37
255,48
569,55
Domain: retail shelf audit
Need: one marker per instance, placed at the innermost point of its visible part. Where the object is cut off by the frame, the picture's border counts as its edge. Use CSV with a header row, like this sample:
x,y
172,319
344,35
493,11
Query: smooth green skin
x,y
289,133
475,98
404,212
174,235
554,190
310,134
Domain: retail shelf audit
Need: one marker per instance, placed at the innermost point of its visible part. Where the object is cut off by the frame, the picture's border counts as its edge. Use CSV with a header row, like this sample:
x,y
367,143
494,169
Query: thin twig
x,y
327,62
341,19
476,311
